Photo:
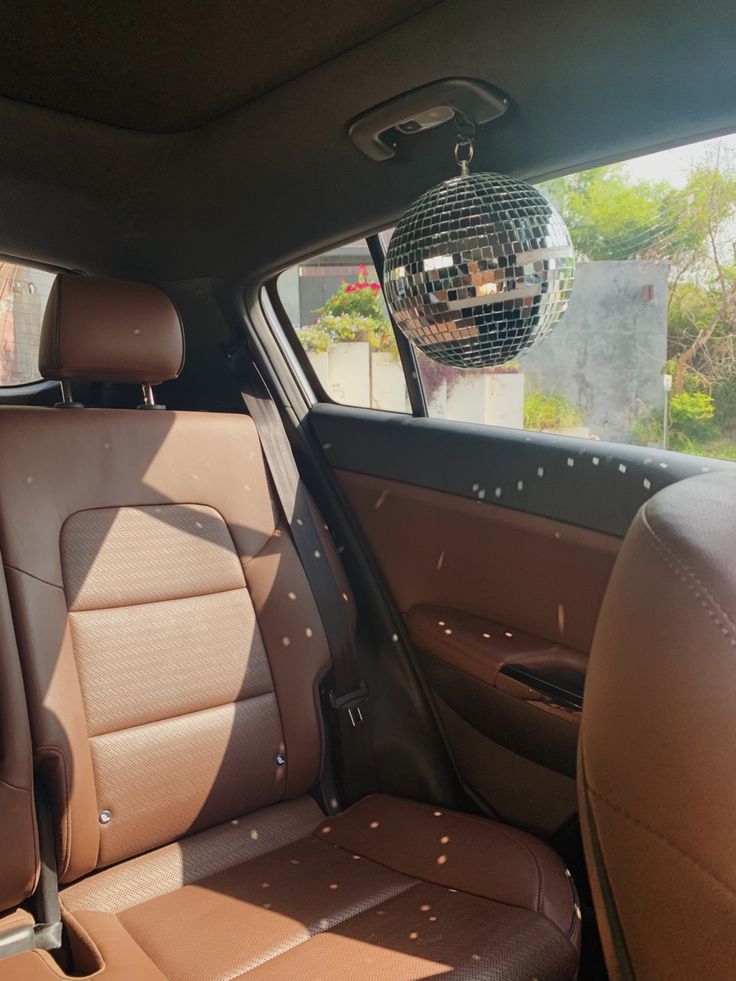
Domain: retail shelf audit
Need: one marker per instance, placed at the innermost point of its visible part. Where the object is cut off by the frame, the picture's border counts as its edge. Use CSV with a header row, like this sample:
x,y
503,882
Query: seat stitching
x,y
411,884
465,892
663,838
289,946
516,836
152,602
683,572
184,715
24,572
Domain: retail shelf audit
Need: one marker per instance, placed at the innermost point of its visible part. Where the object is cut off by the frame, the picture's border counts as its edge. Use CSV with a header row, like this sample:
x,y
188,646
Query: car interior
x,y
298,686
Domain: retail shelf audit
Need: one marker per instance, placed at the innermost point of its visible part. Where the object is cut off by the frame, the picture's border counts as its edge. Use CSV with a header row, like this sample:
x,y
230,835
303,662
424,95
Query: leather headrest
x,y
108,330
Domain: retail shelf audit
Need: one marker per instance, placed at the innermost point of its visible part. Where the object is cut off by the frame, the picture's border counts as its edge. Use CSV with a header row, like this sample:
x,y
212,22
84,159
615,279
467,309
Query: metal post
x,y
667,384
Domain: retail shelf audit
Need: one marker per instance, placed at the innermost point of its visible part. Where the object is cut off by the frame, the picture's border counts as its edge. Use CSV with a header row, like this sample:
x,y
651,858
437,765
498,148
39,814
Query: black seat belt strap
x,y
349,692
47,932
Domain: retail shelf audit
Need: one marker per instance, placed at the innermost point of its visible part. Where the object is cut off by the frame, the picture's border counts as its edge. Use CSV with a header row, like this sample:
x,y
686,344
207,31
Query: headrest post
x,y
149,402
67,399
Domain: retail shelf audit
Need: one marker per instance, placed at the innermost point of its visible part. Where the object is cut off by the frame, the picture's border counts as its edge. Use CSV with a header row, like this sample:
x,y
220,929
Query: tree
x,y
702,302
611,216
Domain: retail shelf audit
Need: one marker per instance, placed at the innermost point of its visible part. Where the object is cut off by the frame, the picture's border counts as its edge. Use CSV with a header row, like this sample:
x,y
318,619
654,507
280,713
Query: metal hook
x,y
465,129
463,162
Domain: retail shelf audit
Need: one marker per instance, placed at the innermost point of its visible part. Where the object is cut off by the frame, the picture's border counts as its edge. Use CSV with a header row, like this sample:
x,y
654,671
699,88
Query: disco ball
x,y
479,269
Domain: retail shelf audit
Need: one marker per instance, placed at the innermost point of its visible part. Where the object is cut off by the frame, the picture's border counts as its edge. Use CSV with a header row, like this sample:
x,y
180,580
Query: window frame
x,y
407,356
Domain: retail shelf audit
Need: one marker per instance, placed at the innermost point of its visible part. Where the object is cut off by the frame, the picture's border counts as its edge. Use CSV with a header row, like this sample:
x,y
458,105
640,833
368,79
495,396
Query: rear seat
x,y
171,651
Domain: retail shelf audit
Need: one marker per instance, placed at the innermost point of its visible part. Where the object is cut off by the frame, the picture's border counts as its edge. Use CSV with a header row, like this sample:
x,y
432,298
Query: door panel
x,y
497,546
537,575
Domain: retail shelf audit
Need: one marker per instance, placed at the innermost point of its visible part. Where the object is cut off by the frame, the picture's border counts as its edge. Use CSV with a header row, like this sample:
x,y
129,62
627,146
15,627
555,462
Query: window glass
x,y
336,305
23,295
646,353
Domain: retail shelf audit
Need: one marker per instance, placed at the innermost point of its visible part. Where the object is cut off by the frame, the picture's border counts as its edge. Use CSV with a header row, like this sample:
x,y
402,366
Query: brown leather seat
x,y
172,650
658,738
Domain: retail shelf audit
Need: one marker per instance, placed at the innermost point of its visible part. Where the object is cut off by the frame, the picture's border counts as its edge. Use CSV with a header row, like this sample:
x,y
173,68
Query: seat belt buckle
x,y
350,702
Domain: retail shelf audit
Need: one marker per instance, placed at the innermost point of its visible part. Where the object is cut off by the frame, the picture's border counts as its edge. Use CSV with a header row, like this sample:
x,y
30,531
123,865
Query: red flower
x,y
350,288
374,286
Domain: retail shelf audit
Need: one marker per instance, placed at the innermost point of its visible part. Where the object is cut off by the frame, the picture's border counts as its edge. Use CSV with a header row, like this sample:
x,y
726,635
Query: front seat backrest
x,y
658,740
170,642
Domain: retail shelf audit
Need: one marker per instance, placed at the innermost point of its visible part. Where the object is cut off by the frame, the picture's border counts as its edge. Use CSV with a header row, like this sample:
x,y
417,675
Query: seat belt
x,y
349,692
46,933
48,929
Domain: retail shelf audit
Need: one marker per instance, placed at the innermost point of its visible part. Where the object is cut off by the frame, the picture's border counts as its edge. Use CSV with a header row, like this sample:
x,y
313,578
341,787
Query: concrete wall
x,y
606,355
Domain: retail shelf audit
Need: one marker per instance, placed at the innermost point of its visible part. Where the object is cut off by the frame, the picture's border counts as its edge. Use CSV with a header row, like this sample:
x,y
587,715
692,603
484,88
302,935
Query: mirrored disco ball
x,y
479,269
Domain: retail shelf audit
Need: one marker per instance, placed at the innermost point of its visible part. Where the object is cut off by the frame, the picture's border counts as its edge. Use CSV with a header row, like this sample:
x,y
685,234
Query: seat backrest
x,y
18,839
170,641
658,740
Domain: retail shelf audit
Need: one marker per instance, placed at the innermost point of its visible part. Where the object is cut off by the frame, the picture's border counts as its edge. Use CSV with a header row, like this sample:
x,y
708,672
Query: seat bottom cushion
x,y
388,889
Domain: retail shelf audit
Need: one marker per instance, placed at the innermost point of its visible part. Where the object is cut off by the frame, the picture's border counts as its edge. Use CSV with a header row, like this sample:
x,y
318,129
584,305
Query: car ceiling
x,y
176,141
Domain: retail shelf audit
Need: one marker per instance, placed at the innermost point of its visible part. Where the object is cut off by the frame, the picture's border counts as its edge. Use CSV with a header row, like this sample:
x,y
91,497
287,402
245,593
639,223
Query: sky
x,y
674,165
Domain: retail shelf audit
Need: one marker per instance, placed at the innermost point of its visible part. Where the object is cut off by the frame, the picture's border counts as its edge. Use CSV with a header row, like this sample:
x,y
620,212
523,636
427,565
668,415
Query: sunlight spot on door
x,y
380,501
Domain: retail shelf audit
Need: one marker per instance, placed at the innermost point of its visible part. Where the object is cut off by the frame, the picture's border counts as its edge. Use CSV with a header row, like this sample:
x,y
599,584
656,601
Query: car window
x,y
23,295
336,305
646,352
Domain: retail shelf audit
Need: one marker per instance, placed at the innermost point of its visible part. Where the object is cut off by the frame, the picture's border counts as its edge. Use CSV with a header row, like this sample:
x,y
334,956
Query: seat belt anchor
x,y
350,702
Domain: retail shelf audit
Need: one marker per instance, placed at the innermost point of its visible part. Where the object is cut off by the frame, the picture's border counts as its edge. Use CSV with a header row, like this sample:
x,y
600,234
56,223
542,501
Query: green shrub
x,y
543,411
724,396
692,424
691,419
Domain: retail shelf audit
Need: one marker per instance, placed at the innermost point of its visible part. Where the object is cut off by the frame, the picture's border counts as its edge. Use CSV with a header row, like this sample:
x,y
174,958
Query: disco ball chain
x,y
465,129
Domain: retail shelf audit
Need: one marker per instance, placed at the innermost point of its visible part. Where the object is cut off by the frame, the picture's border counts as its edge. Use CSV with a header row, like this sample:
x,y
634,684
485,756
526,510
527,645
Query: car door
x,y
495,540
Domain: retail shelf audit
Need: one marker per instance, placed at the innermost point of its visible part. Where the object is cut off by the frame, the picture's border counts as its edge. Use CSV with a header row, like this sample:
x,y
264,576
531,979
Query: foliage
x,y
550,412
611,216
691,417
608,215
724,398
692,423
354,312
